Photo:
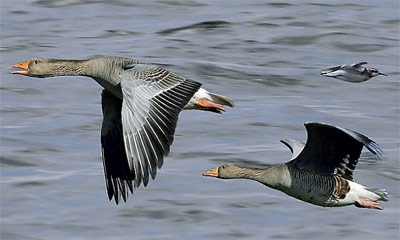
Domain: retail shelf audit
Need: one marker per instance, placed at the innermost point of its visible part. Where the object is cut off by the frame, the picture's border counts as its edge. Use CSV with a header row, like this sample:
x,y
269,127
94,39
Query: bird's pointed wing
x,y
358,66
337,67
327,71
116,169
333,150
152,100
295,146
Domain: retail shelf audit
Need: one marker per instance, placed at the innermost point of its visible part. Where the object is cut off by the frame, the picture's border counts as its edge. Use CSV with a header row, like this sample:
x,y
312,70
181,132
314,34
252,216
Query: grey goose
x,y
320,172
140,103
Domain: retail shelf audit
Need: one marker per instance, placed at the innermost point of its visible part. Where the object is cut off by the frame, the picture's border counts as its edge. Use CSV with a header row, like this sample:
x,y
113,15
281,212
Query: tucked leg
x,y
208,105
366,203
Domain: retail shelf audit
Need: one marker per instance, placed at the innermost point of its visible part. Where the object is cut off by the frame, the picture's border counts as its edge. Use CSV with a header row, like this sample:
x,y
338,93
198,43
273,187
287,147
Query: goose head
x,y
225,171
42,68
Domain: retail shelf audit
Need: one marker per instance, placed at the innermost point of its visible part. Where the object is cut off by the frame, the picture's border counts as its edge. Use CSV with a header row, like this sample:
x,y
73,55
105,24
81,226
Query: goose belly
x,y
311,195
321,190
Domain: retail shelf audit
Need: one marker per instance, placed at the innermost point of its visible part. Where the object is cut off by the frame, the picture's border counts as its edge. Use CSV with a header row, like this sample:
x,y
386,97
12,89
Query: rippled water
x,y
265,55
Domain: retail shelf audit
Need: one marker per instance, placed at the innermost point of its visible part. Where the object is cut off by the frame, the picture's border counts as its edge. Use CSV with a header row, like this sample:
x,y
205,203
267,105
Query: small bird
x,y
352,73
141,104
320,172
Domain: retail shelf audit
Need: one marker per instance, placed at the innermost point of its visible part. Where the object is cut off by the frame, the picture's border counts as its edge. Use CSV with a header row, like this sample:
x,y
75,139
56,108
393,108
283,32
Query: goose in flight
x,y
141,104
321,174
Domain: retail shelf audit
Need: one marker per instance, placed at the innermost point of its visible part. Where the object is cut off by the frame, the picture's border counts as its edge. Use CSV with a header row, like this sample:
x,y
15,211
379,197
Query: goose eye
x,y
223,166
36,61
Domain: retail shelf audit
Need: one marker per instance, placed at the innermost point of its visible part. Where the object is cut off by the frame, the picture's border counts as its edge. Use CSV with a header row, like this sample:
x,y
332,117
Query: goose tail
x,y
380,192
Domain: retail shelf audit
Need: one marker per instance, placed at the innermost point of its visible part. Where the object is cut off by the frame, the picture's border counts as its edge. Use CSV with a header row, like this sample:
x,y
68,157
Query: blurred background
x,y
265,55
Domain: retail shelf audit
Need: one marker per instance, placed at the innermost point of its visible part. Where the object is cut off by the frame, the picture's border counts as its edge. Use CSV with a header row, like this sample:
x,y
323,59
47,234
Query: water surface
x,y
265,55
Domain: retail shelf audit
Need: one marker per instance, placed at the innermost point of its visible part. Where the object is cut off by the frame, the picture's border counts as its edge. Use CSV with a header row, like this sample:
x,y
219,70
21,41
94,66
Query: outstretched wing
x,y
152,100
333,150
137,131
295,146
331,69
116,168
358,66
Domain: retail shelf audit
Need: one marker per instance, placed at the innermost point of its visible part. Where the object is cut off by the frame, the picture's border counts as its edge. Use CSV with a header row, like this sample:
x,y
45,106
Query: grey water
x,y
265,55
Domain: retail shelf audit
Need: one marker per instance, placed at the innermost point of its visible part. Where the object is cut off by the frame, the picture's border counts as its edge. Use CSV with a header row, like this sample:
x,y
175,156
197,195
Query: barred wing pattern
x,y
137,131
152,100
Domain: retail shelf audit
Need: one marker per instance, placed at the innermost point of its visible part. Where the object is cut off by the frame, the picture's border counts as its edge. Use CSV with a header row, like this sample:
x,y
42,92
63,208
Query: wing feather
x,y
333,150
358,66
152,100
116,166
137,131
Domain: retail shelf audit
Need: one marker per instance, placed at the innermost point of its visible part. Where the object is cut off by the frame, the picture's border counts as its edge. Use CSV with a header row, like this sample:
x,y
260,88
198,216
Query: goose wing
x,y
116,168
295,146
152,100
333,150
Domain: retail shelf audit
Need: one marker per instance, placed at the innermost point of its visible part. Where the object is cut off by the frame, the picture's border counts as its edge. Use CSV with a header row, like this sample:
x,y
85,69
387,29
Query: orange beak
x,y
211,173
21,65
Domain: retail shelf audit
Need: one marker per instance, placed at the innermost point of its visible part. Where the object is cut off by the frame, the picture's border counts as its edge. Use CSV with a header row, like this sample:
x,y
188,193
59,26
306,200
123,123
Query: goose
x,y
352,72
140,103
321,174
